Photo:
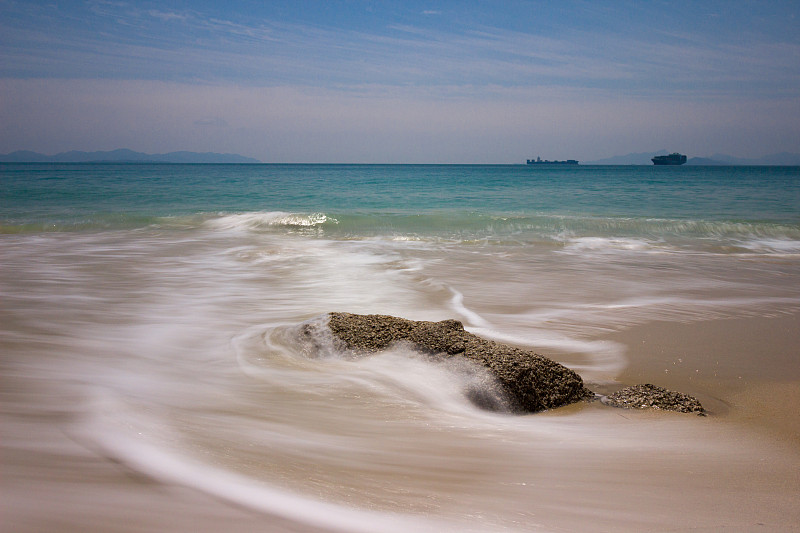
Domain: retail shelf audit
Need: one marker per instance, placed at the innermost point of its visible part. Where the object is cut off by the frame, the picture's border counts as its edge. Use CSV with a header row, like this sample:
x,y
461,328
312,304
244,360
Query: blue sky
x,y
412,81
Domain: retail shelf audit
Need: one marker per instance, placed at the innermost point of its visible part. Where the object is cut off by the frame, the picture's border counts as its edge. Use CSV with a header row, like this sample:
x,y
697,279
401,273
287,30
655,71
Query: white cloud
x,y
167,15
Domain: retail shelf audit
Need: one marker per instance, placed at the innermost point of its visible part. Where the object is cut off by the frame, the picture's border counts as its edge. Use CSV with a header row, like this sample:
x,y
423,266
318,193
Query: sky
x,y
351,81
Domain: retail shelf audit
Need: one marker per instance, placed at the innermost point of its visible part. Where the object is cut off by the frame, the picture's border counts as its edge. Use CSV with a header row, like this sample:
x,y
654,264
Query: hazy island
x,y
124,156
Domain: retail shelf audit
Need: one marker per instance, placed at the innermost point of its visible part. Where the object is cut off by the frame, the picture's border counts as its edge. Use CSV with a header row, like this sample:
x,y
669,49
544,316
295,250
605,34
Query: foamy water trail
x,y
607,357
128,443
473,318
776,247
612,244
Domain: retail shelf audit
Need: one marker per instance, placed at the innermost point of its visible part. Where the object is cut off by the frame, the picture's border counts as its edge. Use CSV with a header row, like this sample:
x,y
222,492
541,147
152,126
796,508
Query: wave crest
x,y
261,221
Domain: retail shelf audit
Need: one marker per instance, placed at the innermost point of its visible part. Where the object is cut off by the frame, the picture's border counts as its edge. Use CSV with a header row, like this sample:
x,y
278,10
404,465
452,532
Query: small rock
x,y
649,396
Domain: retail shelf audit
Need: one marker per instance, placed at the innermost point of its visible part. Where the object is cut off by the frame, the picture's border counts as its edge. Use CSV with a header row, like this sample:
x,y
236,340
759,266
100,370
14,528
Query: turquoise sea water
x,y
469,202
152,379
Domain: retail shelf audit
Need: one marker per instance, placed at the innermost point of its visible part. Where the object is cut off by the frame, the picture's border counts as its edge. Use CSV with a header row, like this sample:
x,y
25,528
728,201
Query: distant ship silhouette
x,y
672,159
540,161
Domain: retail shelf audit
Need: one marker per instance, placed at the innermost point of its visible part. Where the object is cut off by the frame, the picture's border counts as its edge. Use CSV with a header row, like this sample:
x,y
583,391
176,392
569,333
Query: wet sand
x,y
742,369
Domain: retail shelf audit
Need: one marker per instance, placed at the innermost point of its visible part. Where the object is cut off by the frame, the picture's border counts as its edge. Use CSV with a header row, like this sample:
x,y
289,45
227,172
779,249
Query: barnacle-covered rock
x,y
650,396
532,381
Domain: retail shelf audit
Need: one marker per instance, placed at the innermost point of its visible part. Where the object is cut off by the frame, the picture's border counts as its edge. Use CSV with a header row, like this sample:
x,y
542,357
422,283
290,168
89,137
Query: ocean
x,y
152,379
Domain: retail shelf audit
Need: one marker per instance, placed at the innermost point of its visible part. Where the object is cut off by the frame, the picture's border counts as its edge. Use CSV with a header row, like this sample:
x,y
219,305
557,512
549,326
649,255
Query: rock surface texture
x,y
532,381
649,396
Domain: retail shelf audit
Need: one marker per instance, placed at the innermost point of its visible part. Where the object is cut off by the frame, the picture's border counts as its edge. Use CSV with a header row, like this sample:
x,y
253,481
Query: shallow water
x,y
151,379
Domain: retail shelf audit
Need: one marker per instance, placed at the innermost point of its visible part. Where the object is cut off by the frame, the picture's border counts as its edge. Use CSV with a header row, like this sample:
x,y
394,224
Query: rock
x,y
649,396
532,381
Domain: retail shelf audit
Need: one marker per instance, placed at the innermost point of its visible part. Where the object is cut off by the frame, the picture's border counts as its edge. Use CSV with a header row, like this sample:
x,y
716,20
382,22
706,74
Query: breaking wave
x,y
259,221
579,234
570,233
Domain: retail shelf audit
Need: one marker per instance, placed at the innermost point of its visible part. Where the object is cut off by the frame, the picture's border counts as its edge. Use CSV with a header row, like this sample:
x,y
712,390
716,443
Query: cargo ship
x,y
671,159
540,161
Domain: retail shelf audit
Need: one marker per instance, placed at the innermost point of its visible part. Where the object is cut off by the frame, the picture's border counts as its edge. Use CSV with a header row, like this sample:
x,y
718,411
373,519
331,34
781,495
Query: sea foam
x,y
260,221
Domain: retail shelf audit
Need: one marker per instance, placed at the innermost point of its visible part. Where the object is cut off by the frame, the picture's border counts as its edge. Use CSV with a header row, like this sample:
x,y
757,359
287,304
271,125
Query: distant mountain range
x,y
643,158
129,156
124,156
